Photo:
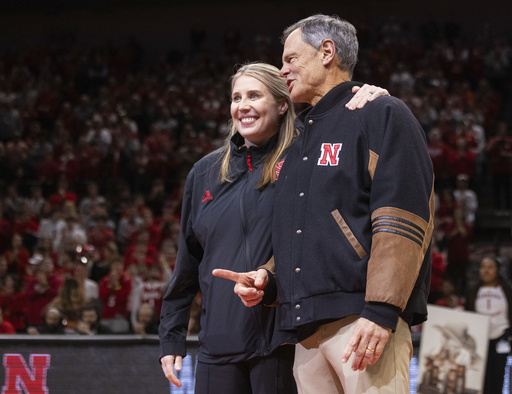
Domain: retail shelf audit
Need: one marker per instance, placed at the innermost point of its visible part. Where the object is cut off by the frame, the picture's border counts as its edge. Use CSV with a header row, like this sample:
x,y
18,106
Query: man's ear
x,y
328,50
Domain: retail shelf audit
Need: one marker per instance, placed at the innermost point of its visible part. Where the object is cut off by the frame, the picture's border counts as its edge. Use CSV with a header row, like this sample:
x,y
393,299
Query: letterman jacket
x,y
353,216
222,226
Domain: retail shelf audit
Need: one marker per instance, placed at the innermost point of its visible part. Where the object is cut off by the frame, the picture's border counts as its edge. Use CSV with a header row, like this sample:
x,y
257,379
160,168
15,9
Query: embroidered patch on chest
x,y
329,154
278,168
207,196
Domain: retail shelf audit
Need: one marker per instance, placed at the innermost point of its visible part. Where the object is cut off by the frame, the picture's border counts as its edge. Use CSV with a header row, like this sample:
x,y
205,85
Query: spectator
x,y
89,322
150,289
463,160
142,245
438,272
69,301
100,235
25,225
51,323
127,226
69,168
88,288
145,322
492,296
48,170
458,235
99,135
440,153
100,266
51,223
89,202
13,301
449,298
465,198
5,326
17,256
36,201
114,292
499,151
167,254
41,290
62,194
157,197
72,234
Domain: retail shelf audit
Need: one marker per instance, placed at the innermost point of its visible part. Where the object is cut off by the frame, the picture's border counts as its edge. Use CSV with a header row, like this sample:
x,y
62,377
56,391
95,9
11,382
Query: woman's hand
x,y
169,364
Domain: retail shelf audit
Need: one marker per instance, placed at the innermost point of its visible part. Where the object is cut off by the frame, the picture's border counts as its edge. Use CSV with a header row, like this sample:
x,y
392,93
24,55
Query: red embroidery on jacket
x,y
278,168
207,196
249,162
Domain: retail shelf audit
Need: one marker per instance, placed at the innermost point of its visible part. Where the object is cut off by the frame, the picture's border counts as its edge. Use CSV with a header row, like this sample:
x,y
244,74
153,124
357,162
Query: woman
x,y
226,221
69,302
492,296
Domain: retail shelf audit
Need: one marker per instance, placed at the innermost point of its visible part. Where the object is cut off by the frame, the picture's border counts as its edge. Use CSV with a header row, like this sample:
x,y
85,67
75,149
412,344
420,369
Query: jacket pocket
x,y
351,238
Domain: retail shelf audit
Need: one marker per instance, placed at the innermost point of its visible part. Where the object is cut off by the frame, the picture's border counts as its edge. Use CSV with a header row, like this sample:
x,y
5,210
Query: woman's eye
x,y
255,95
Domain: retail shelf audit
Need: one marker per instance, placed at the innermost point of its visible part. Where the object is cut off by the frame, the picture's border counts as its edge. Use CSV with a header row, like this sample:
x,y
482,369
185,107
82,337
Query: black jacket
x,y
222,226
353,215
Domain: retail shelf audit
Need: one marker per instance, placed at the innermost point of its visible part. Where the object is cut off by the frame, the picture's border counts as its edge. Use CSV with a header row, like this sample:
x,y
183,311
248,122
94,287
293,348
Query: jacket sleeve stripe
x,y
388,230
398,219
397,254
398,226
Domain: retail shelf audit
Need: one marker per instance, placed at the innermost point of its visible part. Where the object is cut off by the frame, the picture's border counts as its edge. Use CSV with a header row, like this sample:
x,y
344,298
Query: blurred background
x,y
106,104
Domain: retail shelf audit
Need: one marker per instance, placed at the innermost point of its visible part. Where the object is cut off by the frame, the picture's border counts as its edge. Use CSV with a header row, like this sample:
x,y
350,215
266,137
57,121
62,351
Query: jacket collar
x,y
256,152
333,97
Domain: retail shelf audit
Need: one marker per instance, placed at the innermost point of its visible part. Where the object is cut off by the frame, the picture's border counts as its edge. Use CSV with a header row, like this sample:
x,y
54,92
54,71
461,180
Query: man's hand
x,y
169,364
249,286
367,343
363,94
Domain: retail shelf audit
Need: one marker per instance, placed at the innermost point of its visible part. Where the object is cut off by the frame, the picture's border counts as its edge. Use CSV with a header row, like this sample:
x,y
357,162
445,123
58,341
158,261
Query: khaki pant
x,y
318,368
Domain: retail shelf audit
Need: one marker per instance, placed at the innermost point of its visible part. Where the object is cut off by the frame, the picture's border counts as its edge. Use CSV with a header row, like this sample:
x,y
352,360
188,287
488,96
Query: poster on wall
x,y
453,352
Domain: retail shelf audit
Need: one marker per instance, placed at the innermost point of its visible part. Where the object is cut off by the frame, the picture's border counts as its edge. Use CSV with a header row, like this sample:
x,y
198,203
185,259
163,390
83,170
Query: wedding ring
x,y
370,349
372,91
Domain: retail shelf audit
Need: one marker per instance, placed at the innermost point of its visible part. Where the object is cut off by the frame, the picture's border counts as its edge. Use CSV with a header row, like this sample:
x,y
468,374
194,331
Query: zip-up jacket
x,y
353,216
222,226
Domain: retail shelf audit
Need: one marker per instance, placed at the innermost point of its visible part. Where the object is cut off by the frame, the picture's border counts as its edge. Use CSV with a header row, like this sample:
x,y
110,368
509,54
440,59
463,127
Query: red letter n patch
x,y
329,155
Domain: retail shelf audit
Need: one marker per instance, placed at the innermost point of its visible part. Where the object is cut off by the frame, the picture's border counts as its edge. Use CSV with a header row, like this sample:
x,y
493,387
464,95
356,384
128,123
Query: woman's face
x,y
254,110
488,271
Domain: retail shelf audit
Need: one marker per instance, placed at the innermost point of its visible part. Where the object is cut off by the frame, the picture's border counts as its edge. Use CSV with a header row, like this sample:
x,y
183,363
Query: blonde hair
x,y
269,76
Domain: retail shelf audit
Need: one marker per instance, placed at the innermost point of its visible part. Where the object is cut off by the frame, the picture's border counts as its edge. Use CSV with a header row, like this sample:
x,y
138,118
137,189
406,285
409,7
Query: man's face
x,y
303,70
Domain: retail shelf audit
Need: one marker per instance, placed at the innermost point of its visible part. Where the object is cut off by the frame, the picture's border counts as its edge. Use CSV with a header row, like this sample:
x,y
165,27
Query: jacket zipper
x,y
255,310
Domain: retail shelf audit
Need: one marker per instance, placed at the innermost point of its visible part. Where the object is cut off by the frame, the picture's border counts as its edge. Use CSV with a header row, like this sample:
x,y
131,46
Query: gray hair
x,y
317,28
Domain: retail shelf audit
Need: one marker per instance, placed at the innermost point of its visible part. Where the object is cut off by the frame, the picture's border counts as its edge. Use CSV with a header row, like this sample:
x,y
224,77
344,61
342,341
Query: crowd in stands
x,y
96,142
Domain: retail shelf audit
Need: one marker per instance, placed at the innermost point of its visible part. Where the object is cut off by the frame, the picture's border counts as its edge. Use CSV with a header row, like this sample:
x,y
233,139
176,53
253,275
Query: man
x,y
353,219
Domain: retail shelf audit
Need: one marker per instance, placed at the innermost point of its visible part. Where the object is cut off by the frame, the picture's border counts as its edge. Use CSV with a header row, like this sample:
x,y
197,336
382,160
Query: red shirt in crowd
x,y
114,292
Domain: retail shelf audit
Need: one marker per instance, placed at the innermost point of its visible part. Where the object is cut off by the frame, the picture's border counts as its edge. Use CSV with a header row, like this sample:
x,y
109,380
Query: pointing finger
x,y
226,274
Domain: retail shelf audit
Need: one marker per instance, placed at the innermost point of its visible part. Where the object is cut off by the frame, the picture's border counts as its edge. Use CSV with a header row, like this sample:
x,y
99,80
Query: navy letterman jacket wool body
x,y
222,226
353,216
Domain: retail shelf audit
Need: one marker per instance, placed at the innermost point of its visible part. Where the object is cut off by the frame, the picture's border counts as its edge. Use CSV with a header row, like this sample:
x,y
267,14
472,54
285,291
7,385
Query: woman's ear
x,y
283,107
